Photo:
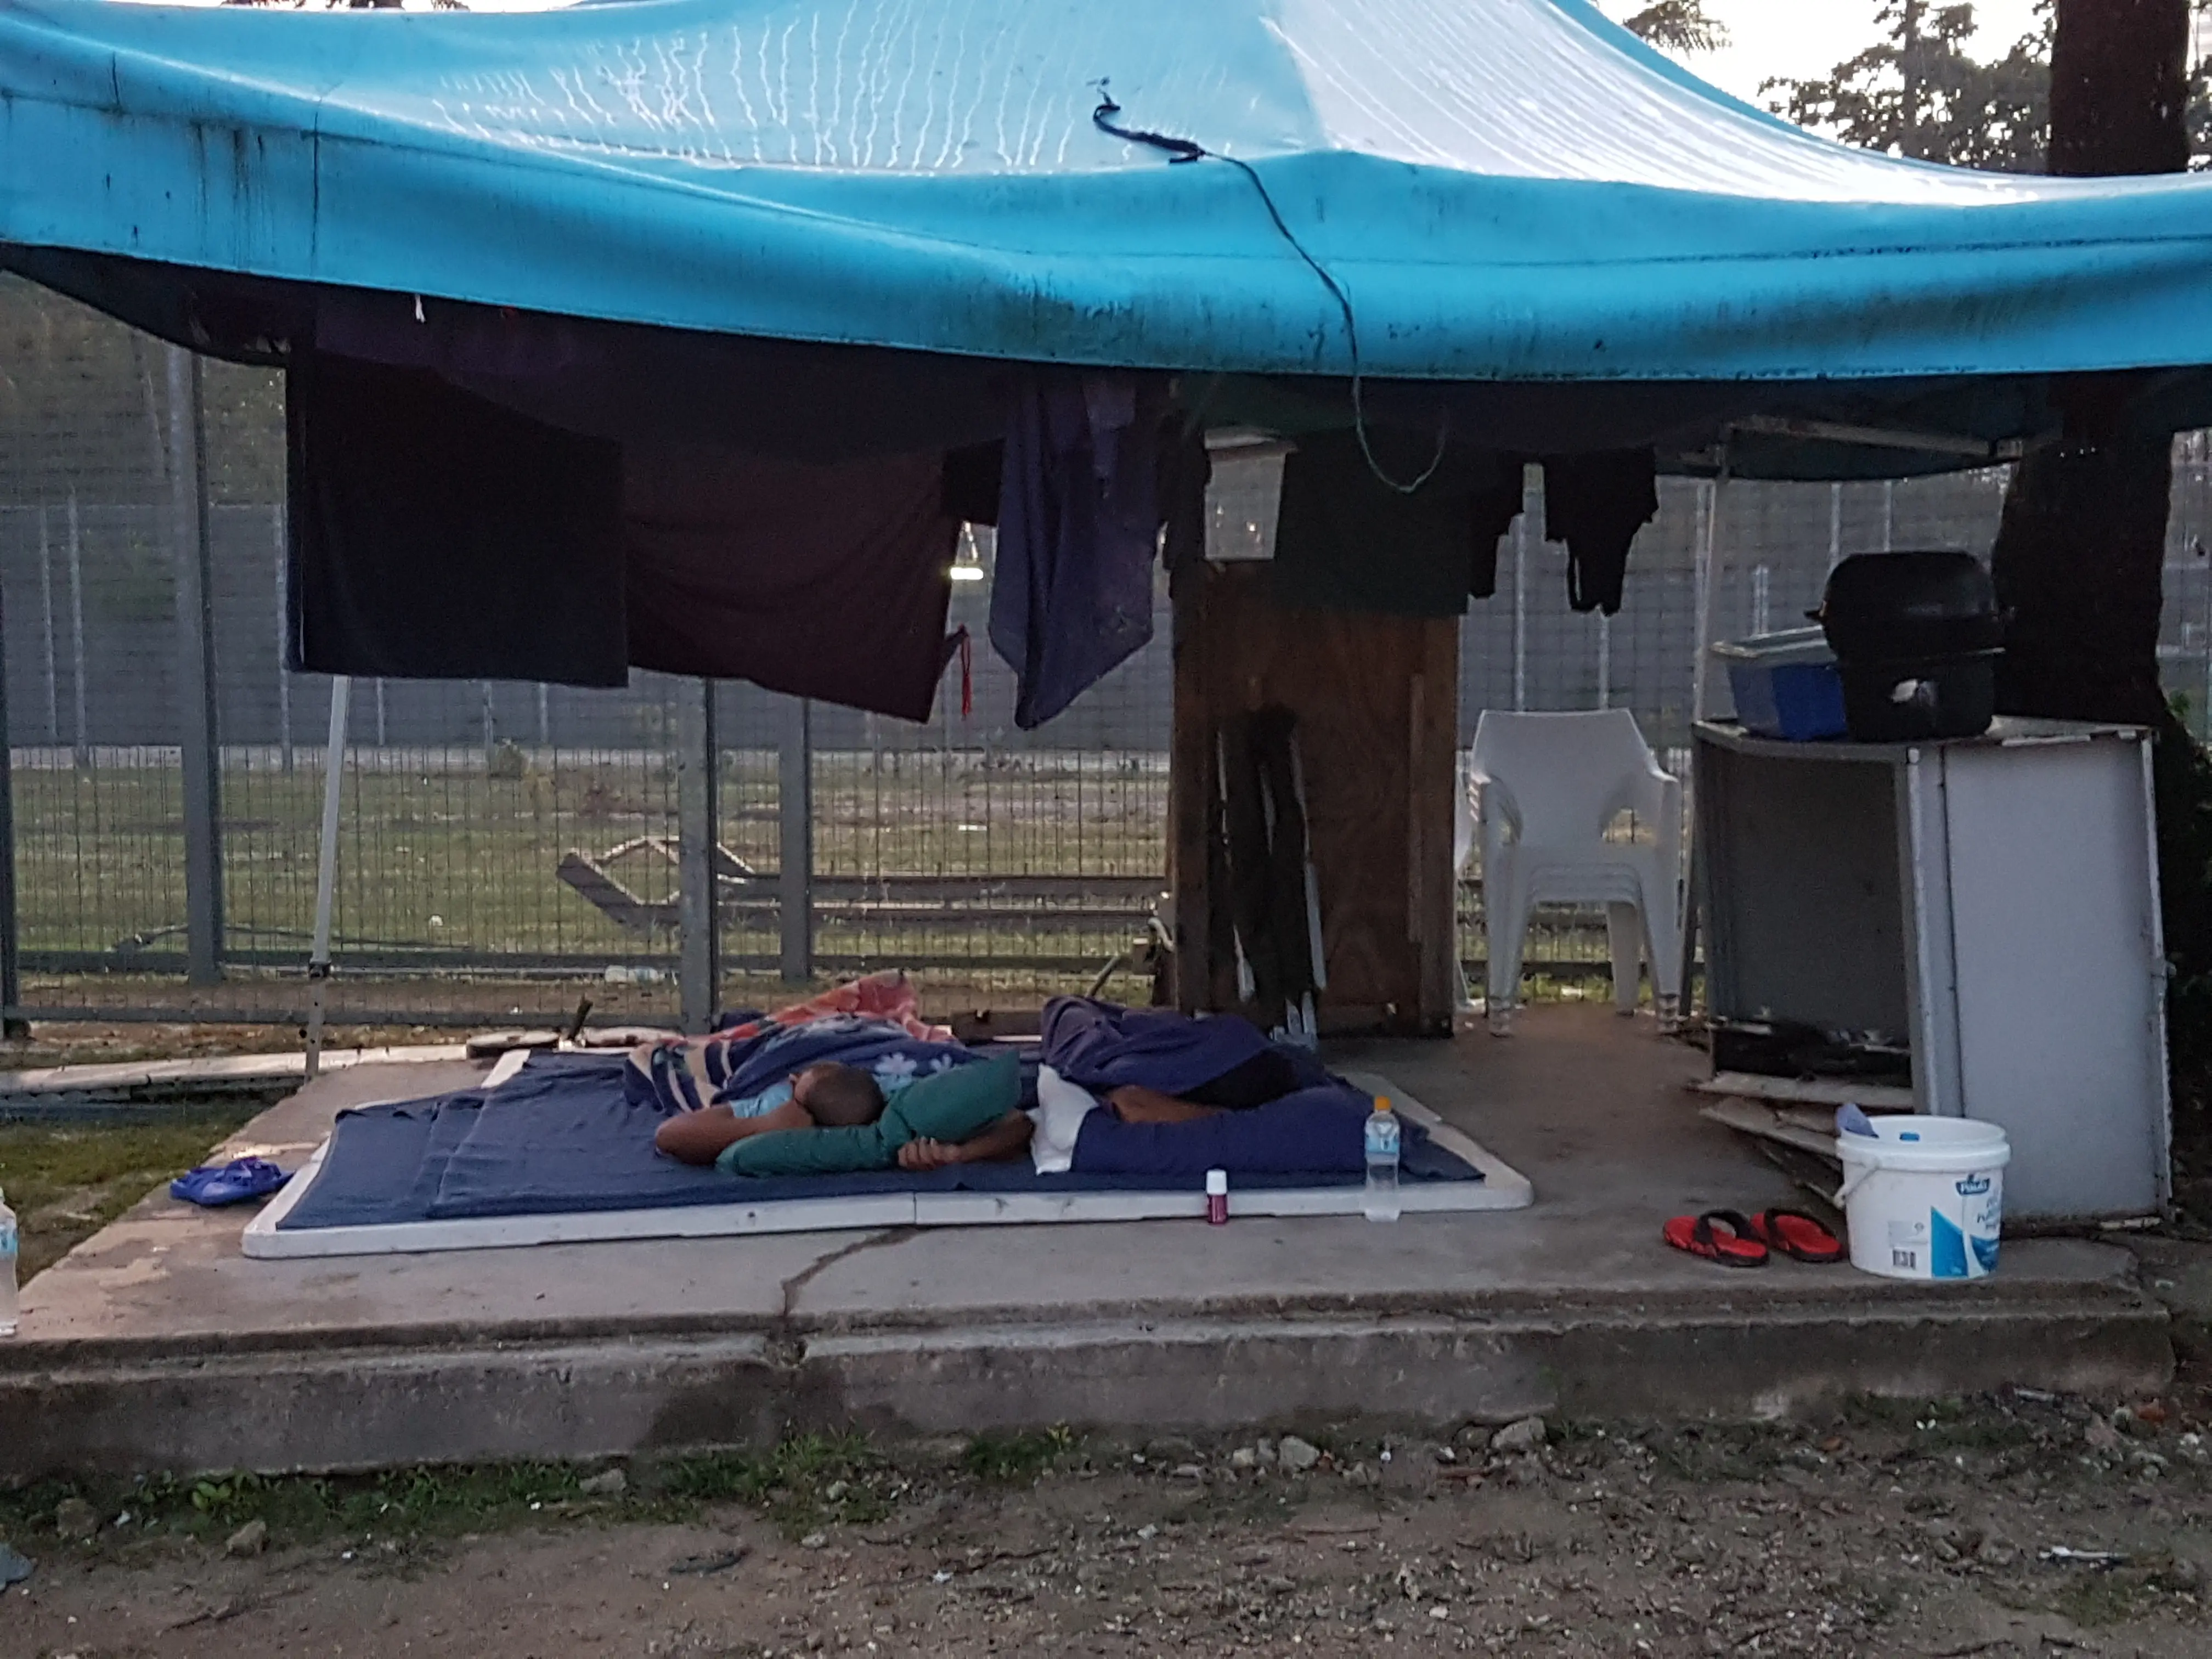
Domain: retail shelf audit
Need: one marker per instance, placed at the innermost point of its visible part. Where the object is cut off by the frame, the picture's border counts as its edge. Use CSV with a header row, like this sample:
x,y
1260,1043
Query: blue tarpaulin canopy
x,y
1506,190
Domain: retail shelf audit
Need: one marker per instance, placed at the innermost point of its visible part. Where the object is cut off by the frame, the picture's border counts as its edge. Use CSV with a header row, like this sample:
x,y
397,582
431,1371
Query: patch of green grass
x,y
806,1482
66,1182
1005,1458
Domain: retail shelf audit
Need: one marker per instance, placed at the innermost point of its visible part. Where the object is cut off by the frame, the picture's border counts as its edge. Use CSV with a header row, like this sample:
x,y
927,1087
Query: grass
x,y
802,1484
66,1182
444,859
446,862
1003,1459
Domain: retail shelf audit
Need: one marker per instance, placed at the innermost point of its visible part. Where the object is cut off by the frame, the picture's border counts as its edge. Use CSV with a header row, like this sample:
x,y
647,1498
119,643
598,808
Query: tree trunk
x,y
2080,548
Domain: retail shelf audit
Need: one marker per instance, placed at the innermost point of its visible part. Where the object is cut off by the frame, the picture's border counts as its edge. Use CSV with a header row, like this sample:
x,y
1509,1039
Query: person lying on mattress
x,y
1120,1092
826,1095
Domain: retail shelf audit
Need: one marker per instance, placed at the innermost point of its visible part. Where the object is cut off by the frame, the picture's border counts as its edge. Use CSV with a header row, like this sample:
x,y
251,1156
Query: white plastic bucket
x,y
1924,1196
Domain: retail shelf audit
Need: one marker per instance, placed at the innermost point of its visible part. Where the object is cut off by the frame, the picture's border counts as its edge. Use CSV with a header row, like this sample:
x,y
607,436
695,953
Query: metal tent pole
x,y
326,870
1709,558
1709,554
698,834
795,840
197,728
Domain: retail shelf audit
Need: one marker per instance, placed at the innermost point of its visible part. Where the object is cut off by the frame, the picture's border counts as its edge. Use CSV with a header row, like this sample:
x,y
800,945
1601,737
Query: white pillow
x,y
1060,1109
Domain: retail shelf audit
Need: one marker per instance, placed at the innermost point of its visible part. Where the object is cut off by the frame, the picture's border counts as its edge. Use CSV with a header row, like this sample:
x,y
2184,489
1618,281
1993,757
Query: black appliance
x,y
1917,637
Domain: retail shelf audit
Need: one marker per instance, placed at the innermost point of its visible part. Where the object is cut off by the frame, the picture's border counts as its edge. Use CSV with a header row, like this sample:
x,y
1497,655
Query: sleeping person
x,y
823,1095
1011,1135
1117,1091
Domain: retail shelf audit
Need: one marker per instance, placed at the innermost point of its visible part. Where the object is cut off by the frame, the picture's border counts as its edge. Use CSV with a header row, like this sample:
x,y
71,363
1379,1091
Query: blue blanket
x,y
741,1067
1100,1046
563,1138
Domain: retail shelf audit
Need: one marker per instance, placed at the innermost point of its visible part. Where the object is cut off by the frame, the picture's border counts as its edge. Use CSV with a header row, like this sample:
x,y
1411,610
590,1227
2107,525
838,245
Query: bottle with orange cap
x,y
1380,1200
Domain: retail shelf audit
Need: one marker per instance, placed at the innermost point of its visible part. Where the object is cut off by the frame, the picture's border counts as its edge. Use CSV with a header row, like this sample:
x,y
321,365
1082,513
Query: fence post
x,y
795,851
699,968
11,976
80,752
276,532
326,870
195,670
46,608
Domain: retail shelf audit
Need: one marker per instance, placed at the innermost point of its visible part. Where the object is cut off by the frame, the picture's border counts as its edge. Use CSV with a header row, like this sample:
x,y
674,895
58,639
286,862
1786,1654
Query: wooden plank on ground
x,y
1808,1091
1751,1118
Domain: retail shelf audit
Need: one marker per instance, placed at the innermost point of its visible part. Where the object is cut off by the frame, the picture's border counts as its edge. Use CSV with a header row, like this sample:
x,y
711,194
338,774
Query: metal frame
x,y
196,704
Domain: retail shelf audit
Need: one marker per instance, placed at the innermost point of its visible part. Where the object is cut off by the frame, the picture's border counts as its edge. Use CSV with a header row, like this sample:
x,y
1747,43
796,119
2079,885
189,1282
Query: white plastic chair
x,y
1547,789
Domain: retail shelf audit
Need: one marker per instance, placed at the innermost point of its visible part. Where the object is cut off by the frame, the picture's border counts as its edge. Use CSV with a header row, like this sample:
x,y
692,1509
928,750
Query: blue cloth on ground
x,y
563,1138
216,1184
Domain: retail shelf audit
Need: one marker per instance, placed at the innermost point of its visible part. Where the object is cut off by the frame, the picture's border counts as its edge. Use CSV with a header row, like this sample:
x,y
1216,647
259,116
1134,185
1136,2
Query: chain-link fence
x,y
502,843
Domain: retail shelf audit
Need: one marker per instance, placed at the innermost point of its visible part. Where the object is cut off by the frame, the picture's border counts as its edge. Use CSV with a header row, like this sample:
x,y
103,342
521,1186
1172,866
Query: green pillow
x,y
948,1105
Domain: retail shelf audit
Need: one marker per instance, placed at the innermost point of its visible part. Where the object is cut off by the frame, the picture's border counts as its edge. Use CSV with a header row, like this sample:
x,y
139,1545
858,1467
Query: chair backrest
x,y
1568,774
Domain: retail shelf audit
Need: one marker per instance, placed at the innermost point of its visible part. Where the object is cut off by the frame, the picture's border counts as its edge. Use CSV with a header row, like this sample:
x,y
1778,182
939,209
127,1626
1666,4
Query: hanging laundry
x,y
829,581
438,536
1595,504
1079,523
1345,540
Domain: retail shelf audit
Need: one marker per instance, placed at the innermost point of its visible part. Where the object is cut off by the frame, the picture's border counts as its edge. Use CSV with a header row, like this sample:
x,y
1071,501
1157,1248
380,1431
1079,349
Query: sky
x,y
1801,38
1792,38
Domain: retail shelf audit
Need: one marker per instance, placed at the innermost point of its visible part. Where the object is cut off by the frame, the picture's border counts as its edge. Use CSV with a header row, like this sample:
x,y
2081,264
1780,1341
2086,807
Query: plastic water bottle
x,y
10,1246
1382,1197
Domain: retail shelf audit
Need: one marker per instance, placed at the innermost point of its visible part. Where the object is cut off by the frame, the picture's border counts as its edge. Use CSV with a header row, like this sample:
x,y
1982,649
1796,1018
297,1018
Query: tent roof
x,y
1506,190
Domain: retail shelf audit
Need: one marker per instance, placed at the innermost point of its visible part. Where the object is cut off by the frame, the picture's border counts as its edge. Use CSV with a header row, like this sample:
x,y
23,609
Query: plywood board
x,y
1377,701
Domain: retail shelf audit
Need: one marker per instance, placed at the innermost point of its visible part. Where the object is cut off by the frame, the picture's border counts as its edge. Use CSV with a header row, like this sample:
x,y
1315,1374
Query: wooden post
x,y
1376,699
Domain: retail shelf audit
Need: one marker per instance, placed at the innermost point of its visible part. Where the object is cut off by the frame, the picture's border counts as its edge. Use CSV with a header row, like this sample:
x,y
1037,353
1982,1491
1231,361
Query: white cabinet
x,y
1992,902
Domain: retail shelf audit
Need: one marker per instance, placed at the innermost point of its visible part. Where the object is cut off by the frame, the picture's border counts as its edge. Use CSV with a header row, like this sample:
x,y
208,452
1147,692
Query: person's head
x,y
837,1097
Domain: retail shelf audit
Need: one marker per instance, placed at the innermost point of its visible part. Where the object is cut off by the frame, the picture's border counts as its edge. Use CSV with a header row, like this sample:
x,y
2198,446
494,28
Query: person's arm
x,y
701,1137
1135,1103
1008,1137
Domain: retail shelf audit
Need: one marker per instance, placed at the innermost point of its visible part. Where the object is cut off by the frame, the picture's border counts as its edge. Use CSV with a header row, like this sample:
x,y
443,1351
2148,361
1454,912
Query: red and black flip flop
x,y
1797,1236
1701,1235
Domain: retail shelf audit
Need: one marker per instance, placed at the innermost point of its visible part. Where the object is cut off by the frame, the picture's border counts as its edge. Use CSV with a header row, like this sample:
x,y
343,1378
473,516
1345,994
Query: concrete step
x,y
2066,1316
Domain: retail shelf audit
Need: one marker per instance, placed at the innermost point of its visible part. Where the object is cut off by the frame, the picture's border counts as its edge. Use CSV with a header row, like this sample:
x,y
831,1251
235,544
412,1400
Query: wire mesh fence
x,y
505,846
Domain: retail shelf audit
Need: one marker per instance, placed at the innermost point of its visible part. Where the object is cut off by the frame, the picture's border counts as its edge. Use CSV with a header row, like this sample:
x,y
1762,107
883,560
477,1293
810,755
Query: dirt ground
x,y
1936,1530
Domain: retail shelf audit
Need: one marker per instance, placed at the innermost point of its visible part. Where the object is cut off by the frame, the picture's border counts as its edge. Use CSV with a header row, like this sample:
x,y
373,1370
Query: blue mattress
x,y
561,1138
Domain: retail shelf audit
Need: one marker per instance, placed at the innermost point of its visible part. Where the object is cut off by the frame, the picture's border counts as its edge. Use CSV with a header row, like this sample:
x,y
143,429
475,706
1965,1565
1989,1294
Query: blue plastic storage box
x,y
1785,685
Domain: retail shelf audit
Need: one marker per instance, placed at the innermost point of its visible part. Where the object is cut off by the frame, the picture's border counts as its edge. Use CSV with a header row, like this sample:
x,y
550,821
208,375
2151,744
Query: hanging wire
x,y
1181,150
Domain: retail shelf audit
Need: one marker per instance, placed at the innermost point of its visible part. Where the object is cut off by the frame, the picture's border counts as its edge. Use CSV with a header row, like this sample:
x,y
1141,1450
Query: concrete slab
x,y
157,1344
109,1075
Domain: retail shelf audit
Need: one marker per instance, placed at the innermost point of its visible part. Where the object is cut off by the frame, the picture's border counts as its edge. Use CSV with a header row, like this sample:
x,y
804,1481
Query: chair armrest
x,y
1495,810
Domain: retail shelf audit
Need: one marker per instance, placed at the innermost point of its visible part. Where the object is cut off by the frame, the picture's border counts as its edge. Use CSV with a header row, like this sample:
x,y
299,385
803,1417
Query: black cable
x,y
1180,150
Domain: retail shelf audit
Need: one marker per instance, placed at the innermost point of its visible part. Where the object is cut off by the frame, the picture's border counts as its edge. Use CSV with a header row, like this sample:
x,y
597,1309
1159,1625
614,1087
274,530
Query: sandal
x,y
1797,1236
216,1184
1697,1235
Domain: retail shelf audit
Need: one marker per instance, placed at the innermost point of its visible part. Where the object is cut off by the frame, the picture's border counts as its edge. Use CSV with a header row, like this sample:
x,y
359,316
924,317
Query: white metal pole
x,y
83,756
1708,579
1520,601
283,639
326,870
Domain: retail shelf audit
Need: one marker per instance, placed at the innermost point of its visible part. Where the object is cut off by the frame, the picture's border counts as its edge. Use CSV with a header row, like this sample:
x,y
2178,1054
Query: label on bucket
x,y
1908,1245
1928,1224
